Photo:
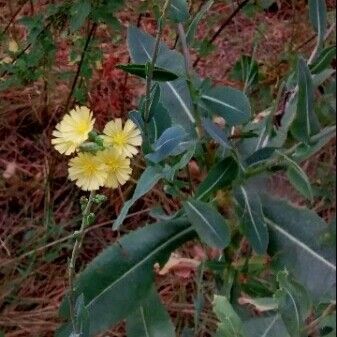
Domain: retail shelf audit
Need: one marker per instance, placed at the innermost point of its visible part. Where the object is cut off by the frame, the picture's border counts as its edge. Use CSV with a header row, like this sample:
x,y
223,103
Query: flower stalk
x,y
79,235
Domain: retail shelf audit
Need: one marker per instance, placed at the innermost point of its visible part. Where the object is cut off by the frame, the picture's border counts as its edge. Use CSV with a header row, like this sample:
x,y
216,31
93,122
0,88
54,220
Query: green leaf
x,y
266,327
208,223
306,123
175,95
324,60
79,12
304,151
252,219
82,317
159,74
318,18
192,28
298,177
215,132
294,304
118,280
246,70
260,155
167,143
178,11
150,319
221,175
233,105
230,323
146,182
296,237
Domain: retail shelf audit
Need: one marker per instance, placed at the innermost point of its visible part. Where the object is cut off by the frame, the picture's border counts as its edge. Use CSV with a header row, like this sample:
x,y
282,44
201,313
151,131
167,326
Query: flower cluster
x,y
101,160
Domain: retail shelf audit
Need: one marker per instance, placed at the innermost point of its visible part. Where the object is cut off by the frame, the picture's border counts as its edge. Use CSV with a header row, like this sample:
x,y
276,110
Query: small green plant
x,y
288,264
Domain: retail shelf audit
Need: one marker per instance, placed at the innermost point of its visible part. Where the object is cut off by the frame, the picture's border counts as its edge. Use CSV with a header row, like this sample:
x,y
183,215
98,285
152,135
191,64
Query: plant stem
x,y
149,75
78,72
74,255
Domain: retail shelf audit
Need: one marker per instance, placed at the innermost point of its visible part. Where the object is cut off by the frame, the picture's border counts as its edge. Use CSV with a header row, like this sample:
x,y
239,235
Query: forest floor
x,y
39,208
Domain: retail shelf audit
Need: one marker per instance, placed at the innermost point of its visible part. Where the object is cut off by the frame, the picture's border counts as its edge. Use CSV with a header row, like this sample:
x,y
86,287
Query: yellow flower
x,y
125,140
89,172
118,167
73,130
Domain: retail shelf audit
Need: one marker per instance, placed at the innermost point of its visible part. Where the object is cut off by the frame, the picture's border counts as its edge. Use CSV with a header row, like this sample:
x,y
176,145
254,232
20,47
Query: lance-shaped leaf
x,y
298,177
167,143
252,219
208,223
306,123
178,11
116,282
221,175
266,327
159,74
215,132
150,319
230,323
260,155
295,236
324,60
175,95
318,18
246,70
146,182
294,304
233,105
192,28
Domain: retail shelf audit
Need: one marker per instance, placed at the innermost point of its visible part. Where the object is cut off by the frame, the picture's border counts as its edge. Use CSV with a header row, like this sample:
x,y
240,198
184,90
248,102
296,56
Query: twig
x,y
223,26
13,18
72,263
149,75
79,68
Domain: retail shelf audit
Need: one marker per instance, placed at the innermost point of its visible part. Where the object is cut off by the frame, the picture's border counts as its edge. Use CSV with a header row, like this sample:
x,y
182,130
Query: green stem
x,y
149,75
74,255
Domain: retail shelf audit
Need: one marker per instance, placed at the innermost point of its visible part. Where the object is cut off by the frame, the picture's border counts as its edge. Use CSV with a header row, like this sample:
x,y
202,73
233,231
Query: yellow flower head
x,y
118,167
125,140
89,172
73,130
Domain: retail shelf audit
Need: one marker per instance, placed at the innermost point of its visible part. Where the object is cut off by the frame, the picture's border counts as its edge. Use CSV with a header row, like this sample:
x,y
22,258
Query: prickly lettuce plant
x,y
289,265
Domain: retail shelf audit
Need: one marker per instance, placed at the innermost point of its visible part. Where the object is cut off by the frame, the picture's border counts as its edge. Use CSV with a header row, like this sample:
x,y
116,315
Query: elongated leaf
x,y
159,74
178,11
318,17
150,319
221,175
116,282
231,104
167,143
252,219
304,152
230,323
146,182
175,95
192,29
294,304
260,156
216,133
295,236
79,12
246,70
324,60
208,223
298,177
266,327
306,123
